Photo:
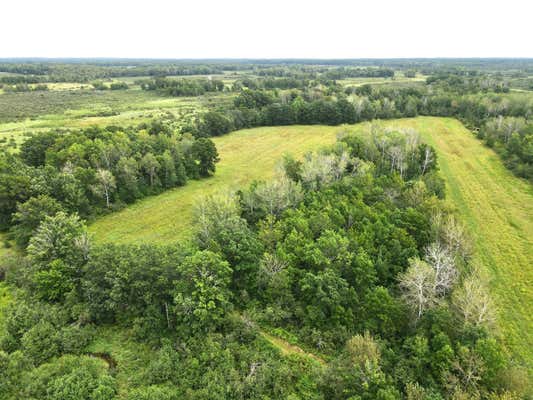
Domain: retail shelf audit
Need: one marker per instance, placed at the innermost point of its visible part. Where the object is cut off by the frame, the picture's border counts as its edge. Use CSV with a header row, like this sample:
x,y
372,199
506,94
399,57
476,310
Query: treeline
x,y
90,171
512,139
197,87
349,251
79,70
23,87
21,79
333,105
112,86
344,72
464,83
270,83
181,87
83,72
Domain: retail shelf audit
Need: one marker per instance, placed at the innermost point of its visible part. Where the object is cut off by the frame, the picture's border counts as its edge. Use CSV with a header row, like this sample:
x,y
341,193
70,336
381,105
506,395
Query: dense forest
x,y
350,249
94,171
346,275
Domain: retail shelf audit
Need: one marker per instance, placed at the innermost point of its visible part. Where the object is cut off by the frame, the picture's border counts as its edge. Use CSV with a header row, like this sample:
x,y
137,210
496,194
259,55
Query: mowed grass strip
x,y
246,155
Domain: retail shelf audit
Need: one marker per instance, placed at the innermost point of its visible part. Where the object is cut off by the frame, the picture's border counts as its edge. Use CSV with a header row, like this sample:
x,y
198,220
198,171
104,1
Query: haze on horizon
x,y
274,29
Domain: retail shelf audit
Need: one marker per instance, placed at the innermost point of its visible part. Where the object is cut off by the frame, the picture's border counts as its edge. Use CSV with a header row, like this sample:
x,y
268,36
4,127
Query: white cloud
x,y
266,29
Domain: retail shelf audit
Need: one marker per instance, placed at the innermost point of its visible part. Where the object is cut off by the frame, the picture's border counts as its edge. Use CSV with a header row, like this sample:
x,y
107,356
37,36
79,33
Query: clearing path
x,y
288,348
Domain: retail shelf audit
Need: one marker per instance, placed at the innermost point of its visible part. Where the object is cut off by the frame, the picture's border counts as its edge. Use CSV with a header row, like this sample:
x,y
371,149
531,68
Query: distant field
x,y
245,155
398,79
496,206
21,113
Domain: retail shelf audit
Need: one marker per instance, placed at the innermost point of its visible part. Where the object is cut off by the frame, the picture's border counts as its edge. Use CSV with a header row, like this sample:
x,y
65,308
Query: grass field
x,y
498,210
399,78
22,113
244,156
496,206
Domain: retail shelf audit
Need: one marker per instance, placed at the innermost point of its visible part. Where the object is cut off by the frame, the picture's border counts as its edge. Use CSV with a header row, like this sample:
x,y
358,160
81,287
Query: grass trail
x,y
287,348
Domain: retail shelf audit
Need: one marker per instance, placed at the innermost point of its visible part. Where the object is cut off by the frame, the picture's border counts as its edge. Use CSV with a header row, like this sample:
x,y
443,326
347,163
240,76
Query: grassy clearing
x,y
129,356
496,206
244,156
382,81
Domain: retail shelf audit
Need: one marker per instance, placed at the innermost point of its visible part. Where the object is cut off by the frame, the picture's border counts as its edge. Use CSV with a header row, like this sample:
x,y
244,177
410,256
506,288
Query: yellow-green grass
x,y
244,156
67,85
287,348
498,210
496,207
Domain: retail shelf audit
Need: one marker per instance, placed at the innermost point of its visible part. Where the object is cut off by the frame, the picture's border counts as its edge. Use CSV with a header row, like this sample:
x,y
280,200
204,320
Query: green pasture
x,y
497,208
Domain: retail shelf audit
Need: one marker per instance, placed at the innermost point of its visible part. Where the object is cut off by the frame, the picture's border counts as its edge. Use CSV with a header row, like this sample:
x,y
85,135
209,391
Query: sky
x,y
266,29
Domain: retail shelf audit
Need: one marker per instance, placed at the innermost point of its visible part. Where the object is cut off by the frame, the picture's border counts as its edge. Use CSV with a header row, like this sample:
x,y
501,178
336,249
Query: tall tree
x,y
105,185
150,166
205,154
418,286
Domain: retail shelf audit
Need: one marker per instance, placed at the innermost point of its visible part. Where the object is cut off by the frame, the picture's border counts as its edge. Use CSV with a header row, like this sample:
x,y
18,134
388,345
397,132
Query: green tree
x,y
57,238
58,250
30,214
127,173
215,124
33,149
41,342
221,229
167,171
205,155
151,166
15,187
71,378
202,295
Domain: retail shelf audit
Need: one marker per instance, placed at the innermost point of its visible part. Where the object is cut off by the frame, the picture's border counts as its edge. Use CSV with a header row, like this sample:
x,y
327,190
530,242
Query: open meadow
x,y
34,112
246,155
